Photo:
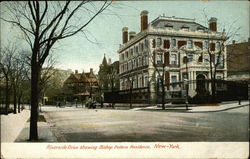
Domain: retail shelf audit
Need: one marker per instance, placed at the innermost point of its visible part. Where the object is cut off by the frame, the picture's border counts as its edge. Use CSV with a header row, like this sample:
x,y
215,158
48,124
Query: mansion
x,y
175,49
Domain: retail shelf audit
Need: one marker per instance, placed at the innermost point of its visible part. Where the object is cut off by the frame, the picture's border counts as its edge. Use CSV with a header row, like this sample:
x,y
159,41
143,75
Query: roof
x,y
104,61
81,78
177,23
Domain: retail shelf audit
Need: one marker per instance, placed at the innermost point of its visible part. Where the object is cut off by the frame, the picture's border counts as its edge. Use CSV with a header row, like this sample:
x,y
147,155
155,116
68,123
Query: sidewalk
x,y
221,107
44,133
198,109
12,125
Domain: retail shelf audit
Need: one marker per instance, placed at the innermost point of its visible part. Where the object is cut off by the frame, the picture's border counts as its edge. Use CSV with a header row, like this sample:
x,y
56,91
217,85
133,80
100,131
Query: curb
x,y
218,110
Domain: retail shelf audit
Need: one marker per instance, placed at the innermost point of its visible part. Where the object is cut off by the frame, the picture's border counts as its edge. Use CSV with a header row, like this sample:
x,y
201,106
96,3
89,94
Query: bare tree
x,y
216,51
17,77
159,60
6,58
43,24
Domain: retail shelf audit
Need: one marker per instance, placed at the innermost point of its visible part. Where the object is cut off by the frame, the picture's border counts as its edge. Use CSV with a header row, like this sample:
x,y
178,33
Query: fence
x,y
197,91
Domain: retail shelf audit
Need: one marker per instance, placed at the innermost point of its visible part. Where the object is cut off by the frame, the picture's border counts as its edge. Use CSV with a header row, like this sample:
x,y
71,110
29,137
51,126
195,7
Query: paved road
x,y
88,125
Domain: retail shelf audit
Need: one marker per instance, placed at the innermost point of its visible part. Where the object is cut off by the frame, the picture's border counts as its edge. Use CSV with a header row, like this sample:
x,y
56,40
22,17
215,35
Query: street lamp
x,y
186,99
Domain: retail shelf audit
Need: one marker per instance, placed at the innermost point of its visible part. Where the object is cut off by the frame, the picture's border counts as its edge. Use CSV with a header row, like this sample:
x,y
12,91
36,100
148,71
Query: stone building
x,y
176,48
108,75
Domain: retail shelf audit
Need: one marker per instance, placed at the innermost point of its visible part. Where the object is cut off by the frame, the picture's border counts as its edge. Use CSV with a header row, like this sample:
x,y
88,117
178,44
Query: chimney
x,y
131,35
213,24
124,35
76,71
144,20
91,70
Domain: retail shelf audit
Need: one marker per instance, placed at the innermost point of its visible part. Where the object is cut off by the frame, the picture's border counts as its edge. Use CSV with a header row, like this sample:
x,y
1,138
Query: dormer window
x,y
185,27
200,29
169,26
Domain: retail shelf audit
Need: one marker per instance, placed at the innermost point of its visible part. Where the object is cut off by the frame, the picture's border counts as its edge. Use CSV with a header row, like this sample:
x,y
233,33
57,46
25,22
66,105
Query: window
x,y
146,43
206,58
190,44
217,45
190,58
169,26
141,47
126,54
140,81
185,27
134,64
145,80
130,65
205,45
200,59
200,29
158,42
173,59
159,59
145,59
173,42
185,60
122,56
153,43
136,49
131,51
173,79
218,59
212,46
166,44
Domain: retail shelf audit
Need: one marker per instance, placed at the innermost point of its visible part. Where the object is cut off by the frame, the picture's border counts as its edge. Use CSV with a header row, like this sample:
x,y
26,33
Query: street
x,y
107,125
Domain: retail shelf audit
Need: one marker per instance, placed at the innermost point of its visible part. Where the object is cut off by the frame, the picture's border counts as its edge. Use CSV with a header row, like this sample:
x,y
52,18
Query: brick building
x,y
238,61
178,44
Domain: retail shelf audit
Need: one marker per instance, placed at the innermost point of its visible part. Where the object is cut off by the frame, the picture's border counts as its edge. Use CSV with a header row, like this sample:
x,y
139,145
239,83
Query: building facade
x,y
175,49
108,75
238,61
78,87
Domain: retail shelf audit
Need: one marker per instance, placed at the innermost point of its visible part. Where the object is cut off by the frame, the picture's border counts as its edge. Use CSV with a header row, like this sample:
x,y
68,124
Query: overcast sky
x,y
78,53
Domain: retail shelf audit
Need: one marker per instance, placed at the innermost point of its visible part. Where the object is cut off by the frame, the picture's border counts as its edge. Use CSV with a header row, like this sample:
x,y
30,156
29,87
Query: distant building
x,y
108,75
80,86
238,61
178,43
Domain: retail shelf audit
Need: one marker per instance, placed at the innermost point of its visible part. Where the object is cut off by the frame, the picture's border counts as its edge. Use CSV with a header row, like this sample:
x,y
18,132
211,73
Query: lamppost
x,y
186,99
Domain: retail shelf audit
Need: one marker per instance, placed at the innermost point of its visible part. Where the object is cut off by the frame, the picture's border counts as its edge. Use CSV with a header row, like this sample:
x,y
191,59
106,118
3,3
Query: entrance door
x,y
200,84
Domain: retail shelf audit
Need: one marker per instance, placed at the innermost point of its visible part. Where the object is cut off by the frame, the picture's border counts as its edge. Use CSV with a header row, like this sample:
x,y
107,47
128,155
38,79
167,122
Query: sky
x,y
78,53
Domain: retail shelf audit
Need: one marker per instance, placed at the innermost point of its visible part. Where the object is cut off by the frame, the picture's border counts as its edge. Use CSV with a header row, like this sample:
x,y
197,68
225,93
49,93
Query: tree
x,y
6,58
43,24
159,65
17,77
216,51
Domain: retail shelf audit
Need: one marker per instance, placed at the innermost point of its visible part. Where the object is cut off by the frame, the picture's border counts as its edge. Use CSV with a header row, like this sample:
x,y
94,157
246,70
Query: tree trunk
x,y
19,103
7,99
35,72
14,98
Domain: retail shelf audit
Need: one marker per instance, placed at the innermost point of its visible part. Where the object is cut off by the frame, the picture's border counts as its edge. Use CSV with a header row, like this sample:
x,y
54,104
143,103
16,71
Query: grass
x,y
165,110
40,119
